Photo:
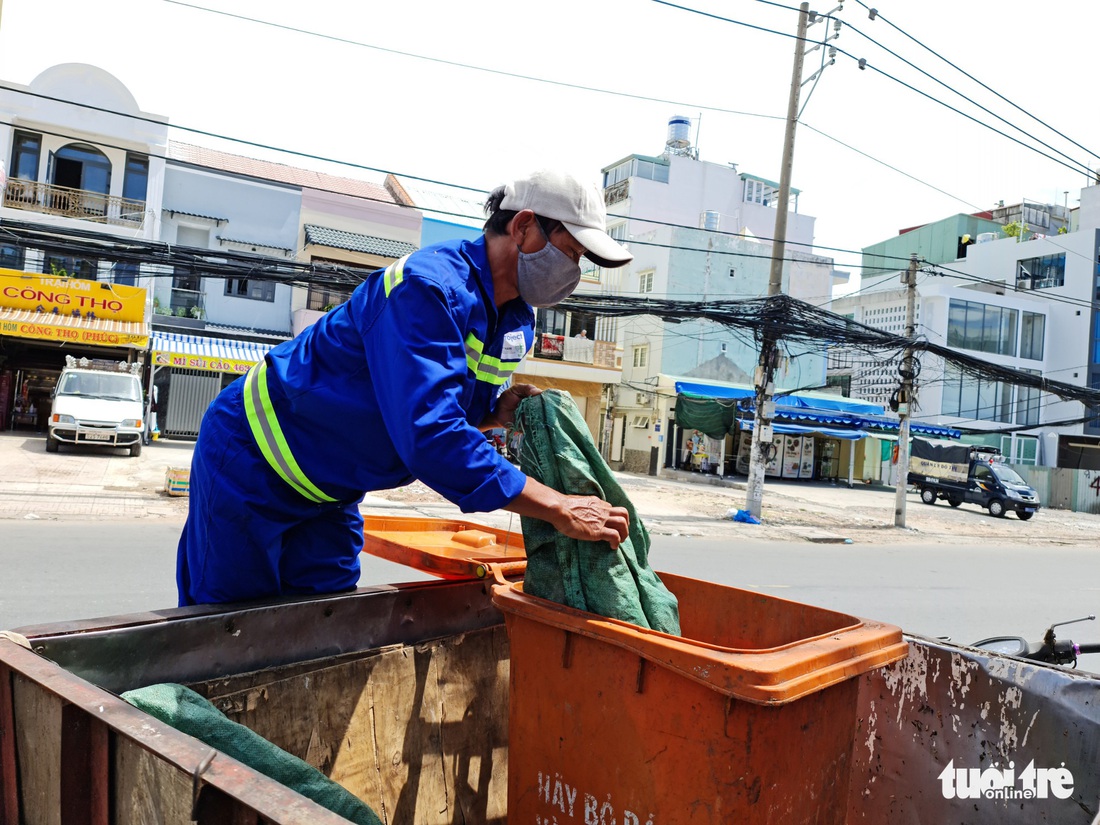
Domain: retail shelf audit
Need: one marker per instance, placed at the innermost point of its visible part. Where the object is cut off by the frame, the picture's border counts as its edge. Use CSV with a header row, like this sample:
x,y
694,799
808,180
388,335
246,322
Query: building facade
x,y
699,231
84,162
1027,302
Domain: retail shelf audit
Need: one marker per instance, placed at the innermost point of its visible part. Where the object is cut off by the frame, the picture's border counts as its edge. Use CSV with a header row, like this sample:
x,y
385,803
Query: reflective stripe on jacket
x,y
374,393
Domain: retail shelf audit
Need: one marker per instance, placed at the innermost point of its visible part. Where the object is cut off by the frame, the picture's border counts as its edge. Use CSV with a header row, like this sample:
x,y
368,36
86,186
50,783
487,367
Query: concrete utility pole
x,y
765,370
905,395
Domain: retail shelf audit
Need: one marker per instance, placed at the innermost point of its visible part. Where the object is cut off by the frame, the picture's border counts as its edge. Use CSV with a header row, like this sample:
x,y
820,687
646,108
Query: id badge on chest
x,y
515,346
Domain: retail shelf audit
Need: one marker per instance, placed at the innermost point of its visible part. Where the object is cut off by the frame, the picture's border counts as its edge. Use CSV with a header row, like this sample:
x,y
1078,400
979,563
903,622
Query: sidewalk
x,y
104,483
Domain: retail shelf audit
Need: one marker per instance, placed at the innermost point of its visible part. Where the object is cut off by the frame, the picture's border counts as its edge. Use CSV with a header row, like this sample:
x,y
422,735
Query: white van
x,y
96,406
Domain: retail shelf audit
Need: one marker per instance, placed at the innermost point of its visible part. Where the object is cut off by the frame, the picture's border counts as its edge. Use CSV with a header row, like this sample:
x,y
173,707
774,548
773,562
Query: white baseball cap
x,y
578,205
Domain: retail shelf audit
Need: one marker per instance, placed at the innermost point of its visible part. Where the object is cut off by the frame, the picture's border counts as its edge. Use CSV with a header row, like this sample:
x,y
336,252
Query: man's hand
x,y
505,412
587,518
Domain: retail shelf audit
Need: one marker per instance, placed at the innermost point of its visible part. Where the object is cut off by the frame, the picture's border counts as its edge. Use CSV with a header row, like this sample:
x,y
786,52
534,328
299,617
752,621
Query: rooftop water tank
x,y
679,132
986,237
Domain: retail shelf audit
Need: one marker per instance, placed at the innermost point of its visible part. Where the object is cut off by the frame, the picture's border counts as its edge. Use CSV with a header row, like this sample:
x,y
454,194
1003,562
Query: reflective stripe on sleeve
x,y
394,275
485,367
269,435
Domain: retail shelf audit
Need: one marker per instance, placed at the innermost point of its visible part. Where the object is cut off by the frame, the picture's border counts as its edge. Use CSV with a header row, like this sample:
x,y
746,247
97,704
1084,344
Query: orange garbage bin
x,y
749,717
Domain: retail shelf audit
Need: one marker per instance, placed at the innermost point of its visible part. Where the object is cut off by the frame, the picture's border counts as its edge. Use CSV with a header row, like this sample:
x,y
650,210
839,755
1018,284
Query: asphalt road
x,y
56,571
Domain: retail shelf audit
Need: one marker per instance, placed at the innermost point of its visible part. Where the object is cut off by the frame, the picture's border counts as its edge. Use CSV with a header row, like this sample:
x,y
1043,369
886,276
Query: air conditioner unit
x,y
641,398
640,421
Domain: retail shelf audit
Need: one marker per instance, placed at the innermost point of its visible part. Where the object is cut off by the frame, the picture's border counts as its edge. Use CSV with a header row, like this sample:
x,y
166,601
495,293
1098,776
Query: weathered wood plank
x,y
84,793
148,791
418,733
475,726
38,748
9,778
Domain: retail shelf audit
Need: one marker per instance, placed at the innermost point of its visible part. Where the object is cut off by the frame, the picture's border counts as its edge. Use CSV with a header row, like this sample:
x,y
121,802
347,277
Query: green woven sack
x,y
558,451
190,713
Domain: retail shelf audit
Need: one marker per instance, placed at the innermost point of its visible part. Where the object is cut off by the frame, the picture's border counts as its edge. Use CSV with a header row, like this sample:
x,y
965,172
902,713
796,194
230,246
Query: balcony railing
x,y
187,303
616,192
36,196
575,350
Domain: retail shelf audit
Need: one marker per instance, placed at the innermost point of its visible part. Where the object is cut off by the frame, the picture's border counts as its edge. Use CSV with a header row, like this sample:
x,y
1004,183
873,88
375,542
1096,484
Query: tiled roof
x,y
279,172
355,242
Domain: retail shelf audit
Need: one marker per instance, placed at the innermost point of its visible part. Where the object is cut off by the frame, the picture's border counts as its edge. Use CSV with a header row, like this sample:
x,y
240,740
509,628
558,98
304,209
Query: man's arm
x,y
585,518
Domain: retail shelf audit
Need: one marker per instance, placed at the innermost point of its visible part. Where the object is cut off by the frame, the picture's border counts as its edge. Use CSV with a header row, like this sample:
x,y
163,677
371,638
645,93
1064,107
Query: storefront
x,y
188,372
814,435
44,318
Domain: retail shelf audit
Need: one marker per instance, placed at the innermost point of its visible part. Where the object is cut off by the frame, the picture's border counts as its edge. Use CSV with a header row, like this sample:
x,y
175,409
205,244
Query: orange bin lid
x,y
444,547
743,644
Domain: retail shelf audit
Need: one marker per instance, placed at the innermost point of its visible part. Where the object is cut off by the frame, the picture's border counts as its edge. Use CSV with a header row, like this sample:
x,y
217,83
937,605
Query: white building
x,y
1027,304
698,231
91,179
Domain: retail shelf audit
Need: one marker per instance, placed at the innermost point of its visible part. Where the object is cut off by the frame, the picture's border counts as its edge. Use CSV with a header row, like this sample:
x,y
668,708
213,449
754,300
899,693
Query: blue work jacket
x,y
382,390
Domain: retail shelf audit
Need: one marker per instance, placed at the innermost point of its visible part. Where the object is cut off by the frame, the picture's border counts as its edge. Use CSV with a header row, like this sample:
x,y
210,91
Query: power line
x,y
874,14
364,167
966,98
890,167
460,65
629,95
863,63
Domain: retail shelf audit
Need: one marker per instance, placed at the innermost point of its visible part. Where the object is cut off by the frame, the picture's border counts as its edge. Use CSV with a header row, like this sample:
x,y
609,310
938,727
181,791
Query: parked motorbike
x,y
1051,650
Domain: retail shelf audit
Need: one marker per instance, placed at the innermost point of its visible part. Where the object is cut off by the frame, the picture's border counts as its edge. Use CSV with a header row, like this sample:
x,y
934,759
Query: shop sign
x,y
71,297
73,335
201,362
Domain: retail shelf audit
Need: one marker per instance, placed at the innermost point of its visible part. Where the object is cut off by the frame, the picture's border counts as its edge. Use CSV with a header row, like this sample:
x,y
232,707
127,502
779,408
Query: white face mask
x,y
546,277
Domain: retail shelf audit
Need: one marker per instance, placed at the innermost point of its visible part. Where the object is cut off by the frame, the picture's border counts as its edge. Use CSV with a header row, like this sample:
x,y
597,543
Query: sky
x,y
581,84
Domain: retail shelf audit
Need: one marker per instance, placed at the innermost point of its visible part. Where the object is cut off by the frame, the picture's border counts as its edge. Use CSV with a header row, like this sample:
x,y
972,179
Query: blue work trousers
x,y
248,534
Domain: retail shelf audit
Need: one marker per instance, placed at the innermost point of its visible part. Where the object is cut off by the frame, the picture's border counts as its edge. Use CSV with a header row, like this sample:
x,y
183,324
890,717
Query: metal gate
x,y
189,394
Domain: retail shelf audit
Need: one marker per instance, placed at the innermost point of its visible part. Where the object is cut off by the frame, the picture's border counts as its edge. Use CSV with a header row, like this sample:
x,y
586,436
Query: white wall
x,y
113,134
1067,343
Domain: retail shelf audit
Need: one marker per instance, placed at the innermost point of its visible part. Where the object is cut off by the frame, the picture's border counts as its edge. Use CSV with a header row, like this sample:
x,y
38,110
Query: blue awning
x,y
209,354
882,422
820,403
833,403
817,408
712,391
797,429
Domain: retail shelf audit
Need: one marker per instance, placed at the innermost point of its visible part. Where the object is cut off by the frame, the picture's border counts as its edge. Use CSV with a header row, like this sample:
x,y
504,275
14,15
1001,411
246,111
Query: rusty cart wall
x,y
400,693
950,734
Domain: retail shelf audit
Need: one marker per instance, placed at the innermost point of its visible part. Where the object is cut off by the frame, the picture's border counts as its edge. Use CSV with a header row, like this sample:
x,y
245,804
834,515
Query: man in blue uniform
x,y
394,385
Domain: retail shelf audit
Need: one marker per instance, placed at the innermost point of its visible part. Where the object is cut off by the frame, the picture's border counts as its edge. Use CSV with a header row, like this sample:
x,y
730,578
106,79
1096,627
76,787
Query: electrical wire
x,y
865,64
432,181
969,100
169,158
878,16
471,66
786,318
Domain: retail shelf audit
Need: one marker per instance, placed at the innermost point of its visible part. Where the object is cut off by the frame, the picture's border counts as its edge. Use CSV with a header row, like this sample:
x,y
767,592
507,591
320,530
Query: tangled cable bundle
x,y
793,321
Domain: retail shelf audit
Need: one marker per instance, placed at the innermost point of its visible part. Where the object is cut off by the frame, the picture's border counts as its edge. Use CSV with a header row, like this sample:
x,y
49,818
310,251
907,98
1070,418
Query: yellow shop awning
x,y
67,329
